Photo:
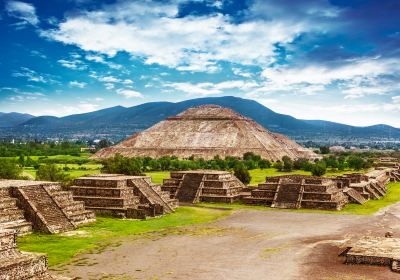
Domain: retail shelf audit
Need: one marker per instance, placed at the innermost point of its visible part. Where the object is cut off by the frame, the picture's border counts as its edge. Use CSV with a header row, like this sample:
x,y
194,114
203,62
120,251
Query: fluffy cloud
x,y
33,76
23,11
354,78
153,31
129,93
212,88
77,84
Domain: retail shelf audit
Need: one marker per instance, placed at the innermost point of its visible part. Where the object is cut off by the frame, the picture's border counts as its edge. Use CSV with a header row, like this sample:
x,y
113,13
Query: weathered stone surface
x,y
45,205
205,132
375,251
15,265
203,185
123,196
297,191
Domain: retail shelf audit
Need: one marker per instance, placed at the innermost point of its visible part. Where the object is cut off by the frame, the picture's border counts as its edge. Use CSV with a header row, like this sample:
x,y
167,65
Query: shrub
x,y
318,169
9,169
287,164
241,172
123,165
51,172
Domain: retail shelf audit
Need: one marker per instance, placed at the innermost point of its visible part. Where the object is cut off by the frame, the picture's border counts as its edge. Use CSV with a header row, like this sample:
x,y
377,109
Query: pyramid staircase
x,y
41,208
298,191
354,196
16,265
152,195
288,196
190,187
395,175
11,217
74,210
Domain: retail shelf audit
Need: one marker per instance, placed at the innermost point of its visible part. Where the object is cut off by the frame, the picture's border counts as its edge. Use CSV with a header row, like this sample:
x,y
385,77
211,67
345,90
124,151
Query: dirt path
x,y
247,245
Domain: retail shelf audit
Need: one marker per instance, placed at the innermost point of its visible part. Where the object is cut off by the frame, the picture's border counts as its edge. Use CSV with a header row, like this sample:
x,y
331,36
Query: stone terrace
x,y
375,251
296,191
203,185
16,265
43,206
123,196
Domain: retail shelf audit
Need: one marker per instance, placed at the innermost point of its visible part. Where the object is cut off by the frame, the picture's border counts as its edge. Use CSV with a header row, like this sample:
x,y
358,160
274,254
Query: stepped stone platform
x,y
203,185
298,191
16,265
43,206
375,251
123,196
371,185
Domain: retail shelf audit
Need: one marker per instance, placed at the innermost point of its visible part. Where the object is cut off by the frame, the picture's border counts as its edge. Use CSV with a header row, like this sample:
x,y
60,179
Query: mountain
x,y
13,119
119,122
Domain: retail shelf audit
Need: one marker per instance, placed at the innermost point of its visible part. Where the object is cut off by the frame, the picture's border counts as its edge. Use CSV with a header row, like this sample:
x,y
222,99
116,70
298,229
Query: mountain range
x,y
119,122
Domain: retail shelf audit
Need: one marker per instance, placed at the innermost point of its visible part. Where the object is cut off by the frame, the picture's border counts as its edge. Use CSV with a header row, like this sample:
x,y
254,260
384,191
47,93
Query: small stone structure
x,y
43,206
123,196
381,251
203,185
298,191
16,265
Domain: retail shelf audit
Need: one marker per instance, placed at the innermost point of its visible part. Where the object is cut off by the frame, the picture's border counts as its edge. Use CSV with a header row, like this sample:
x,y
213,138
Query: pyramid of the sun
x,y
204,132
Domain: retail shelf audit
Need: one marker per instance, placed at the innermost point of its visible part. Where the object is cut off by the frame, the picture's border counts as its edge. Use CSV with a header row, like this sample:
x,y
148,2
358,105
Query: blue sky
x,y
336,60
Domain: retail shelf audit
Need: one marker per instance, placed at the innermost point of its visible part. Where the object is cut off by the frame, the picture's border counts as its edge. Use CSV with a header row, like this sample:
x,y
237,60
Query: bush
x,y
318,169
278,165
287,164
241,172
51,172
9,169
123,165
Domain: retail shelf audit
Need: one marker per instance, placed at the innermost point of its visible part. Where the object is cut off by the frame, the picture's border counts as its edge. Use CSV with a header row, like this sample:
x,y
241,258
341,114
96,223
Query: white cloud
x,y
194,43
34,76
240,72
354,78
396,99
77,84
24,11
212,88
129,93
100,59
75,64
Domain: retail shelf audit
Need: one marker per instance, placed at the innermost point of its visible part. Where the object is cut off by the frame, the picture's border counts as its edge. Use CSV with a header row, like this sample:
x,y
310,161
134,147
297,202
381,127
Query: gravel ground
x,y
249,244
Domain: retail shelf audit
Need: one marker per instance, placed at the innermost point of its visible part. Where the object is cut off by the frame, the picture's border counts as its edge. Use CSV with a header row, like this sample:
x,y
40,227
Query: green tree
x,y
318,169
278,165
9,169
355,162
123,165
241,172
287,163
51,172
324,150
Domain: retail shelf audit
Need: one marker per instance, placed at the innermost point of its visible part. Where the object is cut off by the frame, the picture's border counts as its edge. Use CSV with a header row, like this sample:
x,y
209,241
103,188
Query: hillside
x,y
119,122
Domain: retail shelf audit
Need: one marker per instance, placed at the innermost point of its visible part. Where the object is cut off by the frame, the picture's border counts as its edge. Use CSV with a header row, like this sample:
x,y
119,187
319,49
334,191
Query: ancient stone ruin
x,y
380,251
16,265
297,191
43,206
203,185
133,197
302,191
205,132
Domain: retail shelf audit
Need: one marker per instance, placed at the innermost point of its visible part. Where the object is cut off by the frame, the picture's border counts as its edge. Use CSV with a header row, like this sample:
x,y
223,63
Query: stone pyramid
x,y
204,132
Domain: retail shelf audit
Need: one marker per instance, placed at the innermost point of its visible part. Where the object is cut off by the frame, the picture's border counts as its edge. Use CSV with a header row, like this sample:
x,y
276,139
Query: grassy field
x,y
369,208
106,231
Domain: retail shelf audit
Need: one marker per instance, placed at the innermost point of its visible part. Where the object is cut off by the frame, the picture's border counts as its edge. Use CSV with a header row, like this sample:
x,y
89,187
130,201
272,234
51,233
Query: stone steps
x,y
189,188
15,265
44,208
354,196
20,226
145,190
372,192
11,217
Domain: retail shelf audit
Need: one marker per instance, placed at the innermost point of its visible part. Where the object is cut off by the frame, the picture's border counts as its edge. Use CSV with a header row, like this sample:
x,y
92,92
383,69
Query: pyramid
x,y
204,132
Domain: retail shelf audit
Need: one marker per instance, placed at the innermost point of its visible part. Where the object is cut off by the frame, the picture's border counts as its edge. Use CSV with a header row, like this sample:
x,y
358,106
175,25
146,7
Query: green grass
x,y
158,176
370,207
106,231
